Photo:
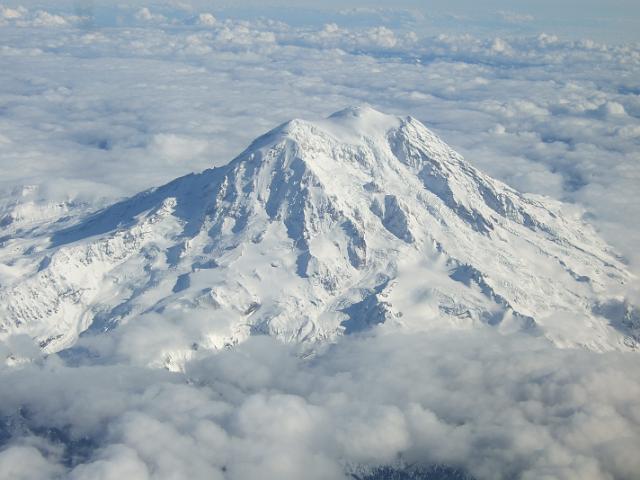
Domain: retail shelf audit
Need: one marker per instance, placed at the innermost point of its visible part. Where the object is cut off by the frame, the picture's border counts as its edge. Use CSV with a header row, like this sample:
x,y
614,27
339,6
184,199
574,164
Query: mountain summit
x,y
320,229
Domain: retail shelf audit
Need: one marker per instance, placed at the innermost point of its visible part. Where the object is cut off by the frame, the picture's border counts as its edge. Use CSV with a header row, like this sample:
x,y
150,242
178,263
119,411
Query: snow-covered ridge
x,y
319,229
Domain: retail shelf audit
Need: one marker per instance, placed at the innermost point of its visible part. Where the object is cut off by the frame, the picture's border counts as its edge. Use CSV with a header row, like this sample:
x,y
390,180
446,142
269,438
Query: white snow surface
x,y
319,229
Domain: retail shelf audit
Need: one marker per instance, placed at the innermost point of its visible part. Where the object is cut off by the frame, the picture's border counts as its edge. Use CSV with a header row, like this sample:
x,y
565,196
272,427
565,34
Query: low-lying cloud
x,y
479,403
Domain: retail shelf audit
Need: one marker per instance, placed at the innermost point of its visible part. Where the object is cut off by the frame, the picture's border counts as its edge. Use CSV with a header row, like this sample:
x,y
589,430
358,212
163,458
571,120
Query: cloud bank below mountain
x,y
479,403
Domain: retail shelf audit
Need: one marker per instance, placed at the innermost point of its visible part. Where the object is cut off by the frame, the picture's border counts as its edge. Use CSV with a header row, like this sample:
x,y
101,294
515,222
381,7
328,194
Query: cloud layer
x,y
479,403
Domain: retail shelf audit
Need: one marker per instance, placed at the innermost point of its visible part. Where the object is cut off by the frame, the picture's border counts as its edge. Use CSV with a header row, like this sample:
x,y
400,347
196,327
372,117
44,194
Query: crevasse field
x,y
409,249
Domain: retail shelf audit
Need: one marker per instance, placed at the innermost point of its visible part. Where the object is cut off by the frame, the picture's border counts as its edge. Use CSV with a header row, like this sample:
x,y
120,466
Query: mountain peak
x,y
364,116
349,125
356,122
360,128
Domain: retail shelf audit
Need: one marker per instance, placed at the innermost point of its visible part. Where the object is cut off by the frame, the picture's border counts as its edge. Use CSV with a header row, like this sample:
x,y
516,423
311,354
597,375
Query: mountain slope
x,y
319,229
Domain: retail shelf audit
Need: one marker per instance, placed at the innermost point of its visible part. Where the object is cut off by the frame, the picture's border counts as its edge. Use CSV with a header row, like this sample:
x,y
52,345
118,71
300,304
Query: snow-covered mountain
x,y
320,229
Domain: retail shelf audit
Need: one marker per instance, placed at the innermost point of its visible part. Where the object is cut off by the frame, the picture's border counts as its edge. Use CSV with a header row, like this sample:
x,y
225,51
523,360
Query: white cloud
x,y
115,462
611,109
206,19
23,17
27,462
47,19
12,13
499,46
145,15
176,148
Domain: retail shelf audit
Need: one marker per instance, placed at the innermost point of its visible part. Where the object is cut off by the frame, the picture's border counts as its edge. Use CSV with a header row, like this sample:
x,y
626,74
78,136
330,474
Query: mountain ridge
x,y
324,228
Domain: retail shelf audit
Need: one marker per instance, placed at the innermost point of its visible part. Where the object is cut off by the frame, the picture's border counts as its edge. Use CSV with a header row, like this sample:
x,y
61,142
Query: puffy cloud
x,y
175,147
12,13
206,19
23,17
43,18
474,402
115,462
27,463
611,109
145,15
